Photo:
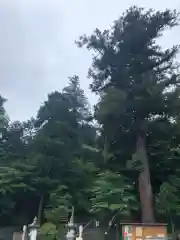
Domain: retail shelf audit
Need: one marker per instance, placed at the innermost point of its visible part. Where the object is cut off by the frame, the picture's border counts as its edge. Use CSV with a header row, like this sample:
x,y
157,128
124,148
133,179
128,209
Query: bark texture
x,y
144,181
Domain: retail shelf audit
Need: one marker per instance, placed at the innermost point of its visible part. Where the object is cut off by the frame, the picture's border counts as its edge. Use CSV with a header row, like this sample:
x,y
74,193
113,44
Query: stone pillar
x,y
33,229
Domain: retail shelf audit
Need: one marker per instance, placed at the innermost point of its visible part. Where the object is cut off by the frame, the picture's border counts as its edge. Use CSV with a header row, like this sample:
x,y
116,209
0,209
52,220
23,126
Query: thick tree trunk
x,y
144,181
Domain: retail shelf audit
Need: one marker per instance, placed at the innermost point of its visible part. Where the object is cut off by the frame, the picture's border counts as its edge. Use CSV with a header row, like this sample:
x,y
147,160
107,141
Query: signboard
x,y
144,232
139,231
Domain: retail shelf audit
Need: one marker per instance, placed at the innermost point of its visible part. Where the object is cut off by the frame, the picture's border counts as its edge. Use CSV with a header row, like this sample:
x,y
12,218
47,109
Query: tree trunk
x,y
172,223
145,189
40,209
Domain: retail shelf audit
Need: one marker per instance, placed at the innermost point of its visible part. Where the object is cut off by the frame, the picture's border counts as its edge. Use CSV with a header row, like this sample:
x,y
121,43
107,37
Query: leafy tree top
x,y
137,80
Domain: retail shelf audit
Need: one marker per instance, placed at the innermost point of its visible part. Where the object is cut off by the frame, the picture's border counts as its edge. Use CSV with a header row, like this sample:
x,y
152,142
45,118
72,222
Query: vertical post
x,y
24,232
33,229
80,233
117,232
72,216
71,227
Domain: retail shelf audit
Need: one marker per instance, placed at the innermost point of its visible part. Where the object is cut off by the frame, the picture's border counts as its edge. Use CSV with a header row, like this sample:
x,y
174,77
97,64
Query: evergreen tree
x,y
138,83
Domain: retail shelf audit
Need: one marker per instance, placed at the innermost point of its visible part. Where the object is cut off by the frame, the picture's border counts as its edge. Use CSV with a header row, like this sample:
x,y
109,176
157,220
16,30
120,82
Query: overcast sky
x,y
37,50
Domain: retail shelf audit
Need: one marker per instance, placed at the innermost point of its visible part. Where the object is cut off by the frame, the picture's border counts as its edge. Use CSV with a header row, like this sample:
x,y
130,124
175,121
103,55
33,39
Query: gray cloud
x,y
37,50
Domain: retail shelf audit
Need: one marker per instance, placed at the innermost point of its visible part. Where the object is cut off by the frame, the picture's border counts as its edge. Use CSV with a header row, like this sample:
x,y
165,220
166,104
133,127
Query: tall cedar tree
x,y
59,142
137,82
39,166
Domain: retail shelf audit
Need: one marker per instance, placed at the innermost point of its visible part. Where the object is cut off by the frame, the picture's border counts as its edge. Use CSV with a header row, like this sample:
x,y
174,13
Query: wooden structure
x,y
140,231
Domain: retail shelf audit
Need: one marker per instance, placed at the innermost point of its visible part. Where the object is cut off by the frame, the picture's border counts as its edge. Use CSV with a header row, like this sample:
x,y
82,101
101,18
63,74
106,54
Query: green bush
x,y
48,231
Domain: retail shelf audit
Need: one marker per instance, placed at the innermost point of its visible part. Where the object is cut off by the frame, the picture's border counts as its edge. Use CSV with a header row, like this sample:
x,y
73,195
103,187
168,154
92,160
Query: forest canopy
x,y
123,157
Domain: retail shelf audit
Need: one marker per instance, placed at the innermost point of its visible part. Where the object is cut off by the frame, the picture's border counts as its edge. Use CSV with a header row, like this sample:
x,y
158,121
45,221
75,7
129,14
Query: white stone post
x,y
80,237
71,233
24,232
33,229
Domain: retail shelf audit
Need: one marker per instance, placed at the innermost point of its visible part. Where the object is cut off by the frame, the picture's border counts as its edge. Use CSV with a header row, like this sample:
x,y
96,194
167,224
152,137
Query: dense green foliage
x,y
62,158
138,84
